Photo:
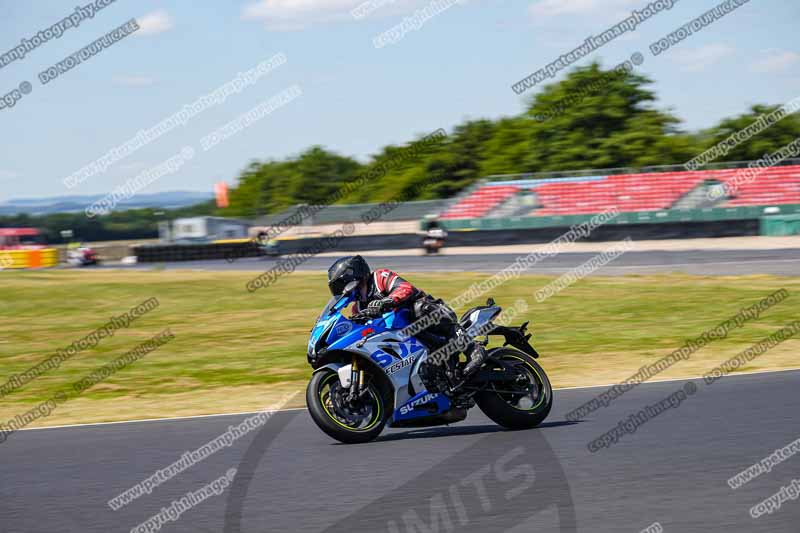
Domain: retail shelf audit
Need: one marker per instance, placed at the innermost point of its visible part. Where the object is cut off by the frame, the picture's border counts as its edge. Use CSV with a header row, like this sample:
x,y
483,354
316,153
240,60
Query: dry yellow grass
x,y
238,351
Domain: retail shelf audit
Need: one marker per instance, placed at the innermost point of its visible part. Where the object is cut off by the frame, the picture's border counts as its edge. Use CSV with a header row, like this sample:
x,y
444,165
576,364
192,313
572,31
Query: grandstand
x,y
627,192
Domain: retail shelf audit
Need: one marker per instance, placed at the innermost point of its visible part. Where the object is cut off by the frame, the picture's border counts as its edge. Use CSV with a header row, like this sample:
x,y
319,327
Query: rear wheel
x,y
522,402
347,421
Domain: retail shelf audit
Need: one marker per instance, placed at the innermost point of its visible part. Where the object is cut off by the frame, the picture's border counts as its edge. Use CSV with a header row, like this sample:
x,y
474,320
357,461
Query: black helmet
x,y
346,270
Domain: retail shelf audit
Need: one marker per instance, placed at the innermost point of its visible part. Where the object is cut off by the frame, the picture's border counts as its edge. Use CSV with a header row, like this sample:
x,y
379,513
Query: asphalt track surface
x,y
474,475
781,262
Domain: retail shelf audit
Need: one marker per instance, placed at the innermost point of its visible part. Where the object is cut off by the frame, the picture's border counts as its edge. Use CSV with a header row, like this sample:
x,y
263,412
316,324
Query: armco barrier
x,y
37,258
499,237
646,225
157,253
492,237
502,237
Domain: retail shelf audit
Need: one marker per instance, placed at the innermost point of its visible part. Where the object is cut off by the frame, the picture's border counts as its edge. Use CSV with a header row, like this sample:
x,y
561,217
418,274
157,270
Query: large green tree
x,y
767,141
598,118
312,178
594,118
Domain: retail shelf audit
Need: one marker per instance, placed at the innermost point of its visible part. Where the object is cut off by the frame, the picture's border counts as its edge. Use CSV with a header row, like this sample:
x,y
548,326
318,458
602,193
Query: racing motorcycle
x,y
434,241
82,256
367,375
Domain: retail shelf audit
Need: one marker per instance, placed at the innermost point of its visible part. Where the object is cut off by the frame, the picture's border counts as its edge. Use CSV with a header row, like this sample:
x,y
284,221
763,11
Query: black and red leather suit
x,y
384,284
395,292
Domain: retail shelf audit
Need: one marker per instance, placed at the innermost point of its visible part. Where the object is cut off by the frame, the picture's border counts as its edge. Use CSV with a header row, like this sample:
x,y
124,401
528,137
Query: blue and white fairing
x,y
379,341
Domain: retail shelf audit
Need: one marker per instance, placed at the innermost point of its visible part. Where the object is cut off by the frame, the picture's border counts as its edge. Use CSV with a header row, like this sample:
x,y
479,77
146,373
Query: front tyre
x,y
348,422
522,402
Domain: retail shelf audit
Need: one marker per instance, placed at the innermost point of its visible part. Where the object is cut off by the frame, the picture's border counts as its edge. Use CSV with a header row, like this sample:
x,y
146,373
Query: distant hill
x,y
71,204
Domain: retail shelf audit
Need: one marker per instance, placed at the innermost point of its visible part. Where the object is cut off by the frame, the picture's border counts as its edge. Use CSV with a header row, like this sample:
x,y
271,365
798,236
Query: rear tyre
x,y
350,423
526,400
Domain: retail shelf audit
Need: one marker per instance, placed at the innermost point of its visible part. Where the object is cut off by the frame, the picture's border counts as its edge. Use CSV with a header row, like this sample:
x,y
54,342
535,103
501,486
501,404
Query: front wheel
x,y
350,422
523,401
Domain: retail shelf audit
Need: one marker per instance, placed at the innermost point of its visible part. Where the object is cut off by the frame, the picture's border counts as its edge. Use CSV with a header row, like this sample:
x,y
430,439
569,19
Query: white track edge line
x,y
654,382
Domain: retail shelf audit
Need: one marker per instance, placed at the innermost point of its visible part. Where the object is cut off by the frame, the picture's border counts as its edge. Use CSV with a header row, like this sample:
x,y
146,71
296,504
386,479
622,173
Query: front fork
x,y
356,380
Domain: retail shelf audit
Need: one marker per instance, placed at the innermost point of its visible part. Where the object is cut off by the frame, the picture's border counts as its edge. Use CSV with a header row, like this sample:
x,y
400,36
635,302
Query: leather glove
x,y
377,307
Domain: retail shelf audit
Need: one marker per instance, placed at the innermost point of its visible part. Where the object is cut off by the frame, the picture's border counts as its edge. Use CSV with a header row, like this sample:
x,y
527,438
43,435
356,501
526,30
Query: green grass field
x,y
240,351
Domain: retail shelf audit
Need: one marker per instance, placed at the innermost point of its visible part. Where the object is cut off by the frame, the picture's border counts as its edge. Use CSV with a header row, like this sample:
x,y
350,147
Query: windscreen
x,y
333,301
326,309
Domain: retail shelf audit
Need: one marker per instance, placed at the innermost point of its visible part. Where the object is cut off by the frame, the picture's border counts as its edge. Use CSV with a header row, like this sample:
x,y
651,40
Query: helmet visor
x,y
340,286
337,286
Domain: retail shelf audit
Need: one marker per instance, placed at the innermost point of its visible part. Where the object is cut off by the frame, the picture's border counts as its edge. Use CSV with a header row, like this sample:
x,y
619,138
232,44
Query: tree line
x,y
594,118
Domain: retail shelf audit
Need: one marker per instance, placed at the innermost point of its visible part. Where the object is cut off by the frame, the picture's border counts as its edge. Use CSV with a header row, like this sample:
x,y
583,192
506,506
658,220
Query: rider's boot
x,y
432,372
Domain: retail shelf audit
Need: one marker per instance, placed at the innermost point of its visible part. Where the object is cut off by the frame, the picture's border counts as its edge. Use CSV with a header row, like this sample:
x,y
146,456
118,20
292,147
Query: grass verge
x,y
239,351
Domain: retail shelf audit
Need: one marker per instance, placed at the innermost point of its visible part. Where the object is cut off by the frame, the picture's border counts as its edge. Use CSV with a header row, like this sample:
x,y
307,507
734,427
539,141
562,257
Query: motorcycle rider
x,y
435,236
383,290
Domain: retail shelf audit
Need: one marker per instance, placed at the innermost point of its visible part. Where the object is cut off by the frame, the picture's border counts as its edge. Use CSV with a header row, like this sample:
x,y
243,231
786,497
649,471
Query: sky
x,y
354,97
